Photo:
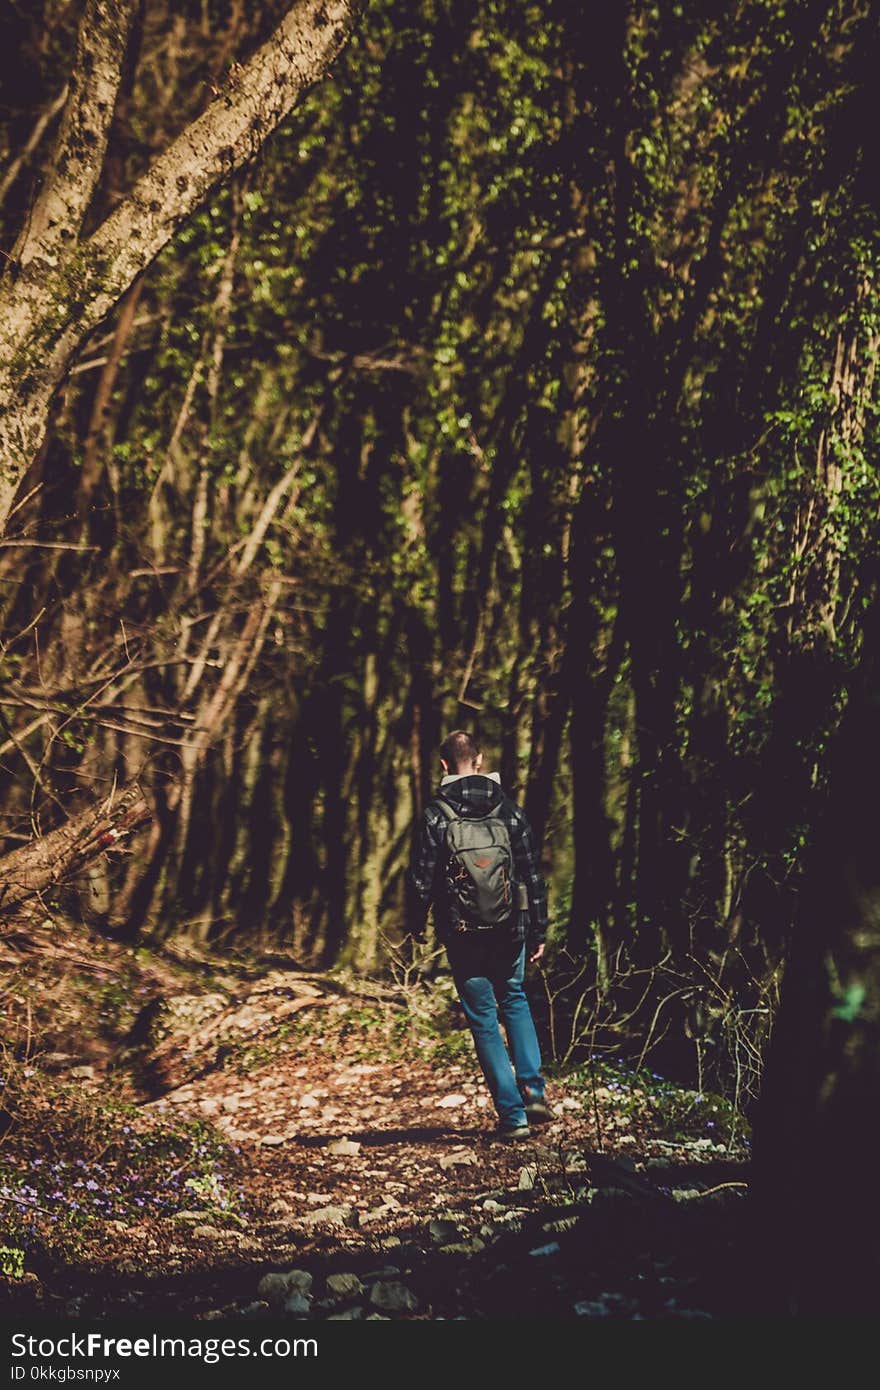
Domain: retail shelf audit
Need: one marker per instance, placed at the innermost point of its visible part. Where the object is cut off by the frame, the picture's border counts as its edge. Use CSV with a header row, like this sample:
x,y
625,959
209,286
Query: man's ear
x,y
444,764
478,761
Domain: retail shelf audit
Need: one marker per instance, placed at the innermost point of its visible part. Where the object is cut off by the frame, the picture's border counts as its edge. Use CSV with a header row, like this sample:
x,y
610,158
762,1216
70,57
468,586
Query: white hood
x,y
457,776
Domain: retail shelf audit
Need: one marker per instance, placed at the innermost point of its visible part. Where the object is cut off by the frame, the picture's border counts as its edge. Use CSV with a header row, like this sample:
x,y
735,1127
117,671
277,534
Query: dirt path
x,y
353,1188
372,1189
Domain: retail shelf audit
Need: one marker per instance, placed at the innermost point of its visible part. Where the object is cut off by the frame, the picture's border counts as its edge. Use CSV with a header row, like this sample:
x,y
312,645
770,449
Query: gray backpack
x,y
479,870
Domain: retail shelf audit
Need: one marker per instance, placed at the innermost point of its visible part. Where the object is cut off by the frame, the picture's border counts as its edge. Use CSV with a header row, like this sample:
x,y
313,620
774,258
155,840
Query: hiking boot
x,y
538,1112
512,1134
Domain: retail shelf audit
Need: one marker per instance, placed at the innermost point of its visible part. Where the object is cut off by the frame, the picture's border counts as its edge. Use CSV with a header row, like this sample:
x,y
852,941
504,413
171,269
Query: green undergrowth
x,y
624,1098
365,1031
73,1162
361,1033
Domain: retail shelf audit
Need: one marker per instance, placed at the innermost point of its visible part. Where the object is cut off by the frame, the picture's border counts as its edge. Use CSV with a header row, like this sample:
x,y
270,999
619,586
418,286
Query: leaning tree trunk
x,y
62,854
58,287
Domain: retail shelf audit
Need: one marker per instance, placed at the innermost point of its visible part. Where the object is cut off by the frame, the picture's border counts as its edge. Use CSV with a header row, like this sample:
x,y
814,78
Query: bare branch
x,y
43,121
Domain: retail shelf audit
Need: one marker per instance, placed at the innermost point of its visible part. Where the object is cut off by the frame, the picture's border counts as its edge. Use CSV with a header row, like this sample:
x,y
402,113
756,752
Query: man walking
x,y
474,858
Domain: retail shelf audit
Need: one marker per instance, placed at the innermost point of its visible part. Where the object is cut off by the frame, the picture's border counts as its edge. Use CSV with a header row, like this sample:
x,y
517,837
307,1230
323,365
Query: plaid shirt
x,y
472,795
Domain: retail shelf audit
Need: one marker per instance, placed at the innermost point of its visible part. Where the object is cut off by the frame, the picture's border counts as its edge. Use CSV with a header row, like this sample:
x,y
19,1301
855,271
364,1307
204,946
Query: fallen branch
x,y
719,1187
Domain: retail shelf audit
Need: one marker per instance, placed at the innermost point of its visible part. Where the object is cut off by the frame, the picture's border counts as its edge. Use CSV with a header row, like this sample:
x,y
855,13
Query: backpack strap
x,y
445,807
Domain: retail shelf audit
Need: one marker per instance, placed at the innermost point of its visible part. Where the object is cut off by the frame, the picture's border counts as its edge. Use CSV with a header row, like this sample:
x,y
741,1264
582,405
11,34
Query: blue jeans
x,y
488,975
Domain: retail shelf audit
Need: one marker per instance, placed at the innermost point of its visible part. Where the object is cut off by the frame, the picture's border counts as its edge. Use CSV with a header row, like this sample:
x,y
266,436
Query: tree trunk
x,y
64,852
817,1200
60,288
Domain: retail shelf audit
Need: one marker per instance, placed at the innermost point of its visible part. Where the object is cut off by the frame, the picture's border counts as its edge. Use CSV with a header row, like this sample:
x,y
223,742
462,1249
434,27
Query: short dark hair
x,y
458,749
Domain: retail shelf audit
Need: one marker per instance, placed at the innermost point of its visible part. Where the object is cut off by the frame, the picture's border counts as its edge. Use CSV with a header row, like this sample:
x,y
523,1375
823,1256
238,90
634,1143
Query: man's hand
x,y
538,954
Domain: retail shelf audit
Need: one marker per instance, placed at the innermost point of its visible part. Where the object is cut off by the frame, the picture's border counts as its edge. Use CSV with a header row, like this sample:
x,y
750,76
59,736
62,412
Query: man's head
x,y
460,753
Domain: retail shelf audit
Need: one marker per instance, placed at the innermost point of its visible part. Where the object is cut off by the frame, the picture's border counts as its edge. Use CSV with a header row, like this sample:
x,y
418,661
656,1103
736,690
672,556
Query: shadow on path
x,y
376,1138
